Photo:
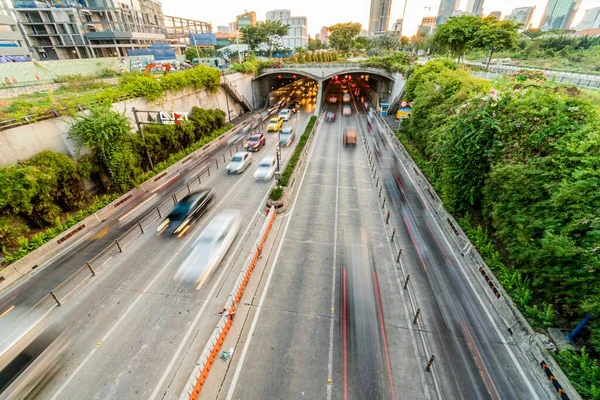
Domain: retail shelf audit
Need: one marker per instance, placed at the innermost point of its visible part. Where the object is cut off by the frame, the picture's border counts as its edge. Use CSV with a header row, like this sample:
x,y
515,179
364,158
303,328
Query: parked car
x,y
350,136
285,114
346,110
255,142
286,136
186,212
274,124
330,116
239,162
266,169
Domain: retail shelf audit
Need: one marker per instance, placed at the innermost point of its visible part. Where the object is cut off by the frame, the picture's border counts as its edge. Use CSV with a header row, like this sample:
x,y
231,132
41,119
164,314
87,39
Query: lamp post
x,y
278,149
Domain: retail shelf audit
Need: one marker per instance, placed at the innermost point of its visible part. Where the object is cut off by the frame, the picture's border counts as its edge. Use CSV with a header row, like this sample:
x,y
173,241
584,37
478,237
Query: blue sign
x,y
203,39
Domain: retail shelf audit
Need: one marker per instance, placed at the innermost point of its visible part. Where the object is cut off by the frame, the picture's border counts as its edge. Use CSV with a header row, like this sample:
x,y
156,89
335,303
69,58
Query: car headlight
x,y
162,226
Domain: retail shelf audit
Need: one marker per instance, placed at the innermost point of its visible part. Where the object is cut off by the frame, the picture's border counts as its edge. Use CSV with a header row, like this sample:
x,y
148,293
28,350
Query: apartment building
x,y
12,45
183,32
68,29
297,35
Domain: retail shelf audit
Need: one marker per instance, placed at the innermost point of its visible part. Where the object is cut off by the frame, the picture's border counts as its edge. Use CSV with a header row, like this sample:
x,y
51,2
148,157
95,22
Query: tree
x,y
496,35
253,36
457,33
341,36
314,44
387,41
362,43
404,40
268,33
417,42
197,52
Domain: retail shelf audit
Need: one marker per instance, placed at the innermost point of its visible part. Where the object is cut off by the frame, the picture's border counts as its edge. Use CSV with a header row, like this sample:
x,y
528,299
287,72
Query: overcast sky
x,y
328,12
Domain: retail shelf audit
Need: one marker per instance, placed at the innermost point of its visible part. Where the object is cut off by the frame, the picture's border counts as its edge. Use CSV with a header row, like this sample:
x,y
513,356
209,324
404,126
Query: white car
x,y
266,169
285,114
346,98
210,248
346,110
239,162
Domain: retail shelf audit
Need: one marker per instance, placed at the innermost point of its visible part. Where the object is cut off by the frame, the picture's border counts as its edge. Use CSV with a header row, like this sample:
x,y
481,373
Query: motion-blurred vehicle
x,y
293,108
285,114
286,136
333,99
366,106
255,142
209,249
274,124
346,110
350,136
239,162
330,116
186,212
266,169
346,98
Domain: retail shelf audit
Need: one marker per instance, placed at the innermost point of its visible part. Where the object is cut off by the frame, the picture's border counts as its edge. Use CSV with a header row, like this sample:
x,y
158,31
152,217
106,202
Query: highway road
x,y
134,331
321,325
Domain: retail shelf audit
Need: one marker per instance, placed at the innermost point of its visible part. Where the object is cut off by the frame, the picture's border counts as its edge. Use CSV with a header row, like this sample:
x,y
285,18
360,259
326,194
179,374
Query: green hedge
x,y
277,192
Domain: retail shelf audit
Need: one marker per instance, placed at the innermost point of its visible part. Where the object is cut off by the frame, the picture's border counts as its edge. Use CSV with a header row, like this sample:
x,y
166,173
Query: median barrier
x,y
211,350
523,334
88,226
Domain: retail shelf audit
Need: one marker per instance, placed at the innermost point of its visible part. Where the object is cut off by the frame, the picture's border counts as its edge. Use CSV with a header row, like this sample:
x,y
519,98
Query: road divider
x,y
211,350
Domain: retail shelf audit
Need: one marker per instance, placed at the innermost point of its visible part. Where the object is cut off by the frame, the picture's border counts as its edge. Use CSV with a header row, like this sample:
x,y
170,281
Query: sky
x,y
328,12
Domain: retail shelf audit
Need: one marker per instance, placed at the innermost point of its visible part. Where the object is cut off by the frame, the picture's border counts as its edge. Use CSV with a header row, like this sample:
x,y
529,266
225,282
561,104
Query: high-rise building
x,y
183,32
12,44
324,34
223,29
379,17
428,25
475,7
447,7
397,26
496,14
559,14
245,19
297,35
591,20
233,26
522,15
68,29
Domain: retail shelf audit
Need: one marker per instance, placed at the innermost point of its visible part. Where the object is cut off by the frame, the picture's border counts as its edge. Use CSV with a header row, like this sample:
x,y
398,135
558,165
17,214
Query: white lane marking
x,y
479,300
164,183
64,385
146,289
136,208
333,276
217,283
268,282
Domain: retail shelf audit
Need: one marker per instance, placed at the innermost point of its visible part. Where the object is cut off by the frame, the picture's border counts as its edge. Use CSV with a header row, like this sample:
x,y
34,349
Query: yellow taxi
x,y
274,124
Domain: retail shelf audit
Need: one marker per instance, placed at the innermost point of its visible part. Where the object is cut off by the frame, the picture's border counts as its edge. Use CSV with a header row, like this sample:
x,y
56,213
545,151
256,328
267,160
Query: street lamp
x,y
278,150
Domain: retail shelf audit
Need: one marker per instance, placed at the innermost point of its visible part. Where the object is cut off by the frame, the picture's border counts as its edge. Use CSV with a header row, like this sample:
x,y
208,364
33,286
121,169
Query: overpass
x,y
389,85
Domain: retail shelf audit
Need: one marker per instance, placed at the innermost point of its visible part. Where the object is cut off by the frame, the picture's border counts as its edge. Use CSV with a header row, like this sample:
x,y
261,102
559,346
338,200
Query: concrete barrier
x,y
88,226
210,353
523,334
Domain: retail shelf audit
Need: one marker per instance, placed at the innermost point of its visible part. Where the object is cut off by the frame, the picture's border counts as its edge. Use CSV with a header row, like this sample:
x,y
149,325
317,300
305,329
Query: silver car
x,y
210,248
286,136
266,169
239,162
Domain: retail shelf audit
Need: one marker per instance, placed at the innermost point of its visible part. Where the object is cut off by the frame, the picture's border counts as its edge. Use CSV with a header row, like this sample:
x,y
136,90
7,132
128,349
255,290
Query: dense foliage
x,y
524,161
393,62
41,190
342,35
267,33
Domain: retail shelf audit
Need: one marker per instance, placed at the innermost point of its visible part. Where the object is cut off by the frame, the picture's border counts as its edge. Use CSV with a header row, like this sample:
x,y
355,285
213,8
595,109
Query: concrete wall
x,y
25,141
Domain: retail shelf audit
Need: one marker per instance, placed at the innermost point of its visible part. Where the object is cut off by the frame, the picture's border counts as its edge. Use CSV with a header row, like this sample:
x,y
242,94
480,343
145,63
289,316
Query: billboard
x,y
203,39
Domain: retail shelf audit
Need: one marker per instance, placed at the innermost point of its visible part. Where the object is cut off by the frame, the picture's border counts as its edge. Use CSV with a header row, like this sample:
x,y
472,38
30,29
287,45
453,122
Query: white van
x,y
285,114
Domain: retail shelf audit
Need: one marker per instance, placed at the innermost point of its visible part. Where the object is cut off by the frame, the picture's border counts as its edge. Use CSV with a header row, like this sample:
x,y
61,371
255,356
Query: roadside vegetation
x,y
284,180
46,194
518,163
84,91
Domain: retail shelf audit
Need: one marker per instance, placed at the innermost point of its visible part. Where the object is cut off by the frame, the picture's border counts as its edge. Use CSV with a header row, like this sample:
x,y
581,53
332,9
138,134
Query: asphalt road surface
x,y
135,332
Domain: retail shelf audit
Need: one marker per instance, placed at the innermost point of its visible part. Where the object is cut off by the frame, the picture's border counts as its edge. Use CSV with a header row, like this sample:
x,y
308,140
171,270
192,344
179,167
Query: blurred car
x,y
346,98
366,105
293,107
186,212
346,110
330,116
209,249
266,169
285,114
239,162
297,105
333,99
286,136
274,124
350,136
255,142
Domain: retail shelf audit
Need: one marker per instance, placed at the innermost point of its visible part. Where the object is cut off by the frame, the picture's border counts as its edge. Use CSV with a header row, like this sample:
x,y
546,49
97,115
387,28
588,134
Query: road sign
x,y
403,104
404,112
